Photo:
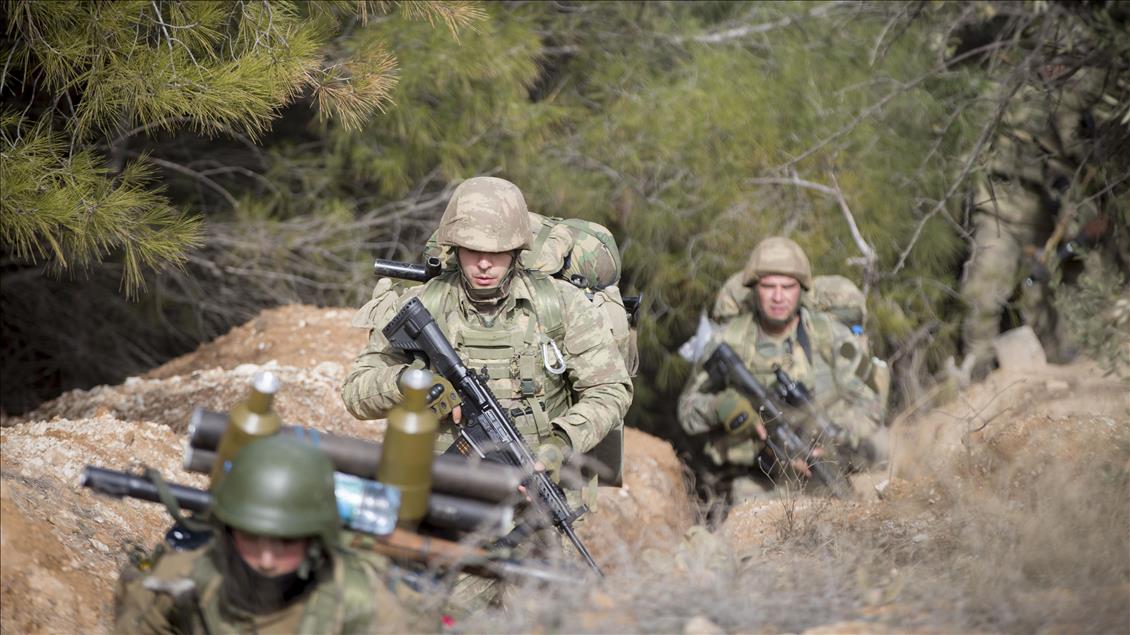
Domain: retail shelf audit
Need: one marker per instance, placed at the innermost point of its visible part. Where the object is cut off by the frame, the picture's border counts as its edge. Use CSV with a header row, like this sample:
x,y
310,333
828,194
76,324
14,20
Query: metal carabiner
x,y
553,368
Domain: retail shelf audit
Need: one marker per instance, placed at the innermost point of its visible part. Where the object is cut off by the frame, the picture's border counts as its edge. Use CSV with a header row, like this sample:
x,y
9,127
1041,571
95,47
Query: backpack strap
x,y
439,292
547,225
802,338
547,306
821,333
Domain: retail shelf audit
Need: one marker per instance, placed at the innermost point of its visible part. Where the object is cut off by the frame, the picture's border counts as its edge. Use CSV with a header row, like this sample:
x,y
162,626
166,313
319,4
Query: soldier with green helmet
x,y
274,565
814,347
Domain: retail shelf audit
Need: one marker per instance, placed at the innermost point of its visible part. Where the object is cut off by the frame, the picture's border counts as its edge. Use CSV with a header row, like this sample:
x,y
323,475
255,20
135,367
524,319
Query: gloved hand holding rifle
x,y
728,373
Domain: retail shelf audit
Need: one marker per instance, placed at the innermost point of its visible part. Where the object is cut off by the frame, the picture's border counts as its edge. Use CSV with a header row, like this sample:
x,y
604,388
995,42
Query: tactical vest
x,y
520,353
583,253
815,357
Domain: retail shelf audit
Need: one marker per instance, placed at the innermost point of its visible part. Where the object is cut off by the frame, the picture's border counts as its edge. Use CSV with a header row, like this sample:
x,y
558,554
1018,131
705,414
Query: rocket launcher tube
x,y
452,475
446,512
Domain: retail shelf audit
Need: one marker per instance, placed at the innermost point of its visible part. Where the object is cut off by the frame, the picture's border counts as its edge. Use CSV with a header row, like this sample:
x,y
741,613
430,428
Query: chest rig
x,y
808,354
519,349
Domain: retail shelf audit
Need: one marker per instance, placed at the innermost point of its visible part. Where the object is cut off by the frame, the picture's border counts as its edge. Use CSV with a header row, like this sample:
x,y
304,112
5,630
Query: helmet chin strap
x,y
312,561
490,298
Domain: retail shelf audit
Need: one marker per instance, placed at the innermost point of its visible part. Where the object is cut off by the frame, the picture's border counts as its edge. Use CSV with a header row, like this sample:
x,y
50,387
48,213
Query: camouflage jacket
x,y
584,402
833,368
183,595
1045,136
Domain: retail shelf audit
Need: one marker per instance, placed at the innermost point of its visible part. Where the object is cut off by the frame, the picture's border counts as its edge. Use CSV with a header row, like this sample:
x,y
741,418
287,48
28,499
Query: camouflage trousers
x,y
998,266
471,593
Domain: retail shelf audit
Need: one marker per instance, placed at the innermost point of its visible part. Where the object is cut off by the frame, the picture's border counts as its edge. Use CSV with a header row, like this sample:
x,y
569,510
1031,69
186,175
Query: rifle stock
x,y
486,429
406,546
725,368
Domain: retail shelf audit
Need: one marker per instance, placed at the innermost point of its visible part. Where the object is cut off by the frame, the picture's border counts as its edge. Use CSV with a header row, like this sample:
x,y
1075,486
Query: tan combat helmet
x,y
486,214
780,256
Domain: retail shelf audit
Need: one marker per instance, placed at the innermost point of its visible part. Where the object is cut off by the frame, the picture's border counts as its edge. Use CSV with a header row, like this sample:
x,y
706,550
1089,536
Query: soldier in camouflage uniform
x,y
814,347
274,565
548,352
1037,176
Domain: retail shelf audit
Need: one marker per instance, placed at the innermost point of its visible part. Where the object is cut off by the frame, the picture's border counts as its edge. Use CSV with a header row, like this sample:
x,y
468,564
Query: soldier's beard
x,y
247,590
774,325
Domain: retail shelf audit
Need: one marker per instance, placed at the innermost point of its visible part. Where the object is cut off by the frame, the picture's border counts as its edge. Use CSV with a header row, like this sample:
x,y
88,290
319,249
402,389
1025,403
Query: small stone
x,y
881,488
701,625
1020,350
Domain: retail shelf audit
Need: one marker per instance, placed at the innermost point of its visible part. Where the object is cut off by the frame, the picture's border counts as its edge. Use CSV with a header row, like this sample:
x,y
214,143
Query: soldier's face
x,y
270,556
778,297
484,269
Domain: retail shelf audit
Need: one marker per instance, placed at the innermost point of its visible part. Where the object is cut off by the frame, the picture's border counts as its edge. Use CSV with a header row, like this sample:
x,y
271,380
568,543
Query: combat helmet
x,y
281,488
486,214
781,256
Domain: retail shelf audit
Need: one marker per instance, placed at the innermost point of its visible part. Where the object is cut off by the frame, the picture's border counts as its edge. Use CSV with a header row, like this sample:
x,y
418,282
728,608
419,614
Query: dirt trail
x,y
1003,511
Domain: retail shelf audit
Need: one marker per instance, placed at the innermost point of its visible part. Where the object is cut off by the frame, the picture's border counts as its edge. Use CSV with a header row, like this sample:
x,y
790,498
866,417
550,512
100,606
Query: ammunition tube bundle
x,y
452,475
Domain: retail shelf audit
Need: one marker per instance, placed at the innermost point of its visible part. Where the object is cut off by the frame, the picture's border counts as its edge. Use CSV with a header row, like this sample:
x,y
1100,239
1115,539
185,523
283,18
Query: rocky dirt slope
x,y
62,546
1004,510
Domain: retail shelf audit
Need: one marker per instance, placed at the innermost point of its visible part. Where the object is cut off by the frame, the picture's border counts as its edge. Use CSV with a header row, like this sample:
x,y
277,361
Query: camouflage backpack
x,y
579,251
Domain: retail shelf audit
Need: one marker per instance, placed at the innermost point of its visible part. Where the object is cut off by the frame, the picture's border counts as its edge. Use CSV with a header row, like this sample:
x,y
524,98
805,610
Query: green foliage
x,y
68,211
1097,312
115,70
128,123
692,130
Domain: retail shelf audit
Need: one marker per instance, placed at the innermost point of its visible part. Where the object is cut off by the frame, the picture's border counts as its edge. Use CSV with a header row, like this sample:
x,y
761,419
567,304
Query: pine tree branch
x,y
176,167
720,37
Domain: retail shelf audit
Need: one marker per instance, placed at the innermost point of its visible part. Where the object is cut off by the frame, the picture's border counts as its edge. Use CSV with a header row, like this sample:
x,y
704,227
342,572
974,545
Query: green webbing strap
x,y
325,610
528,360
547,226
436,293
547,306
170,502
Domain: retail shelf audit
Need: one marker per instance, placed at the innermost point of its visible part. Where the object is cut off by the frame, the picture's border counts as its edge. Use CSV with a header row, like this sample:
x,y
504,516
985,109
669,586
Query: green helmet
x,y
777,255
281,488
486,214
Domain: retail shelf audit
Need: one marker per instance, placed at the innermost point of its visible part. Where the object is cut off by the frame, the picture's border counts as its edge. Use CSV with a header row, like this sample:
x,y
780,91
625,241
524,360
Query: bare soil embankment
x,y
1004,511
63,546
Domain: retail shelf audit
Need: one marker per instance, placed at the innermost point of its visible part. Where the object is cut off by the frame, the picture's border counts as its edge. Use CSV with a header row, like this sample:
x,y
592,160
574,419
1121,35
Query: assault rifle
x,y
432,267
397,544
486,429
726,369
